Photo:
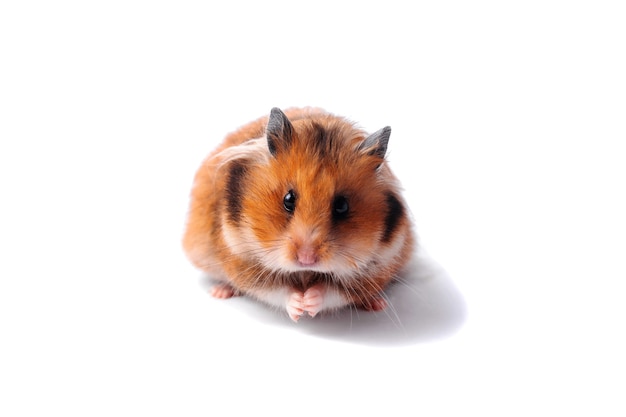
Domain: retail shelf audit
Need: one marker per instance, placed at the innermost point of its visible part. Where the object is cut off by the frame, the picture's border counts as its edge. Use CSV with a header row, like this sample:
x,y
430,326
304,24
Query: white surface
x,y
508,125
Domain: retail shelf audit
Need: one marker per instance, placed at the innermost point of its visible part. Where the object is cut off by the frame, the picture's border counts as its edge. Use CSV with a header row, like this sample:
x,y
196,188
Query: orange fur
x,y
239,232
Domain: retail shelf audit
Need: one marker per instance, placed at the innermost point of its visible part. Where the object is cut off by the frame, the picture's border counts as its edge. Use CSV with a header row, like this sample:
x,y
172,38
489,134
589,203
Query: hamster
x,y
300,210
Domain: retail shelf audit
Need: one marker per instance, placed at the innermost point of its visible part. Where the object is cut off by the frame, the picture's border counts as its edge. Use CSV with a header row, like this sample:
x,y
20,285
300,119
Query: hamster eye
x,y
340,207
289,201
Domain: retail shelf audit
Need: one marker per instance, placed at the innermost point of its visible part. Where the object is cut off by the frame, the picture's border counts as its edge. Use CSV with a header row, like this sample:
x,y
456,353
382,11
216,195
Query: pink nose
x,y
306,256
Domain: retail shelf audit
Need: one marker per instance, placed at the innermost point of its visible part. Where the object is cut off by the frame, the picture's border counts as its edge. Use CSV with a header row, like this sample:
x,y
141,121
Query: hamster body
x,y
300,210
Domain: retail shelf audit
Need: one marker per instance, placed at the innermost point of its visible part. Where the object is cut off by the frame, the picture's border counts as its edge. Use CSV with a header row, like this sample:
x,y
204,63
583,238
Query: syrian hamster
x,y
300,210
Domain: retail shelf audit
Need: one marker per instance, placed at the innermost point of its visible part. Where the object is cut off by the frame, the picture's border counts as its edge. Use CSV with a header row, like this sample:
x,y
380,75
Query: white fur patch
x,y
241,241
333,299
276,297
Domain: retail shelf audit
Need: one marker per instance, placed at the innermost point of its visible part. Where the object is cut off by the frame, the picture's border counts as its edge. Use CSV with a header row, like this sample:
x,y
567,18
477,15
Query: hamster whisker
x,y
258,252
356,287
259,274
391,312
402,281
391,309
355,261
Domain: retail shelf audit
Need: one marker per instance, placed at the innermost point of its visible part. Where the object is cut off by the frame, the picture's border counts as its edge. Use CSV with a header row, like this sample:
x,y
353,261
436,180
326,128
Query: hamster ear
x,y
279,131
376,143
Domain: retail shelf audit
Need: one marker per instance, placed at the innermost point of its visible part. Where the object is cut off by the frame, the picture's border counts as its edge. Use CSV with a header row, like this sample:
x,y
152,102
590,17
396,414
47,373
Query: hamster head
x,y
317,197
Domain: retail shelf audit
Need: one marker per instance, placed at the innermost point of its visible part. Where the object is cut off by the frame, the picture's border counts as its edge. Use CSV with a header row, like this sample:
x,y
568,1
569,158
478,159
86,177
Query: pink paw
x,y
310,302
222,290
377,303
313,299
295,307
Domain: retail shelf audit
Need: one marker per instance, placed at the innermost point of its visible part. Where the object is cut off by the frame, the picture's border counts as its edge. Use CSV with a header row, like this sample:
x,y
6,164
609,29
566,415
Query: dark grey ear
x,y
279,131
376,143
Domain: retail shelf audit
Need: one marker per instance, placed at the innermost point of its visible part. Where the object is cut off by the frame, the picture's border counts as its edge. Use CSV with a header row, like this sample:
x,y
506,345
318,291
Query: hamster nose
x,y
306,256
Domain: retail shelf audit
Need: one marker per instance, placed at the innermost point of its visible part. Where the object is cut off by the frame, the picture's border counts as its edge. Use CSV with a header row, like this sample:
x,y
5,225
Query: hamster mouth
x,y
305,265
319,266
312,266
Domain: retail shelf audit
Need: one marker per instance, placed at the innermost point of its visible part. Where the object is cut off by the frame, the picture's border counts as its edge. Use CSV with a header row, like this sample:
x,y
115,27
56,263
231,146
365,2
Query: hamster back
x,y
300,210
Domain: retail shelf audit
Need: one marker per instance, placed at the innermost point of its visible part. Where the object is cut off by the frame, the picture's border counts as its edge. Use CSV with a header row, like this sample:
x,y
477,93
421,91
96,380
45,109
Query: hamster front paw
x,y
313,299
310,302
295,305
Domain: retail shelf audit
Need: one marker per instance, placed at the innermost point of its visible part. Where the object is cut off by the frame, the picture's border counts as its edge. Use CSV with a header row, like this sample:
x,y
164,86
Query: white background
x,y
508,124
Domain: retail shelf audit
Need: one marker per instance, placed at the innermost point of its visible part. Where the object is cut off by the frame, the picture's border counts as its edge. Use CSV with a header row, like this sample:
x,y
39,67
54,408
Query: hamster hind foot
x,y
223,290
377,303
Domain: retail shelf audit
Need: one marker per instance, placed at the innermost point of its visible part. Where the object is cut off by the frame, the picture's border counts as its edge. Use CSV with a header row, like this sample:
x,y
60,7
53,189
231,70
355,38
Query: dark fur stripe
x,y
320,140
234,187
395,213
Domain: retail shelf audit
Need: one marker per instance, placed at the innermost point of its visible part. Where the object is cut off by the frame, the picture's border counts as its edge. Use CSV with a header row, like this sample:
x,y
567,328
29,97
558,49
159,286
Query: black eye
x,y
340,207
289,201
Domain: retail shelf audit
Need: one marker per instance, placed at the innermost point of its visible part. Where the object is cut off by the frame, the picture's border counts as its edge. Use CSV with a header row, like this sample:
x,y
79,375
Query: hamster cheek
x,y
240,240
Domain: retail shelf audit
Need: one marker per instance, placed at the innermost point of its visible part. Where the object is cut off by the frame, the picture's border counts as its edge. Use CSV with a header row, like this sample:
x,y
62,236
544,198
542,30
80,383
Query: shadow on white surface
x,y
425,305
